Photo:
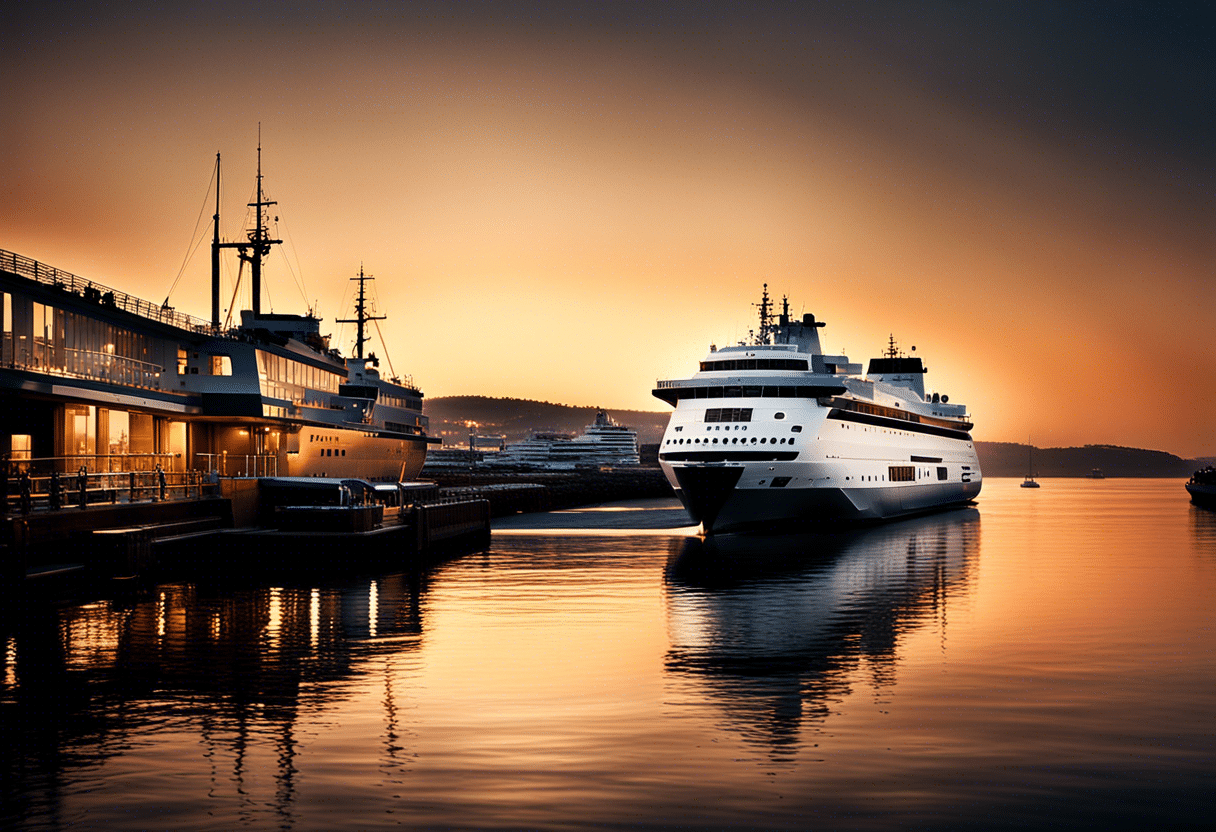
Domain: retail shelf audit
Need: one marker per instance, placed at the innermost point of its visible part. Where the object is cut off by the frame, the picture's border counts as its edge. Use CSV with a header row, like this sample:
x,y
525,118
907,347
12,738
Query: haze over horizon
x,y
566,201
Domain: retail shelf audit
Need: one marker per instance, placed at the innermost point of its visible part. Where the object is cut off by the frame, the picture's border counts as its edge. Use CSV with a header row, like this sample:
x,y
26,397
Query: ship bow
x,y
704,490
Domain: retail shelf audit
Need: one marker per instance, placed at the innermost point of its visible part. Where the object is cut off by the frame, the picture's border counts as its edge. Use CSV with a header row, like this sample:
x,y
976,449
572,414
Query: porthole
x,y
778,415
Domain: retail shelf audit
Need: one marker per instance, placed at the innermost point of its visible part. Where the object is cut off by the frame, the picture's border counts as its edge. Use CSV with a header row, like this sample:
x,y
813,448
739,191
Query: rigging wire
x,y
299,281
196,239
232,303
383,344
392,372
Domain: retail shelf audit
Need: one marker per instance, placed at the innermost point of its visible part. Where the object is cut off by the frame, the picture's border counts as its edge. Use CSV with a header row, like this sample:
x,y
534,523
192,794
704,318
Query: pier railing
x,y
96,292
24,492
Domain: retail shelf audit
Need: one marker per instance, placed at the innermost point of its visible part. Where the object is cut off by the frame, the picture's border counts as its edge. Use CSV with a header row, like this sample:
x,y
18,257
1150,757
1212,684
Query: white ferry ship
x,y
92,378
775,433
602,443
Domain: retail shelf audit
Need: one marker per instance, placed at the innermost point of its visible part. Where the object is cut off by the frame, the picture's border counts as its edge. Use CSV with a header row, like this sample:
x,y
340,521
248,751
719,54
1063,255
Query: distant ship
x,y
1202,487
94,379
602,443
775,432
1096,474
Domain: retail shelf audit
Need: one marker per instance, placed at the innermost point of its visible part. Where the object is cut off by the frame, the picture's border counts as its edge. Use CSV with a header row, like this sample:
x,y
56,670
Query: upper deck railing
x,y
96,292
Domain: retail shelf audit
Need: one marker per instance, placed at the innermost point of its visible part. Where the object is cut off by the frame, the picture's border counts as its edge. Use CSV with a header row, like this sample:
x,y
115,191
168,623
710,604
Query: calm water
x,y
1047,658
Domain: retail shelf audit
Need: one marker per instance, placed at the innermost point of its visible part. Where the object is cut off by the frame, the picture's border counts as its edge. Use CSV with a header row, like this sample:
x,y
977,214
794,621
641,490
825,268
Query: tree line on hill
x,y
1012,459
517,419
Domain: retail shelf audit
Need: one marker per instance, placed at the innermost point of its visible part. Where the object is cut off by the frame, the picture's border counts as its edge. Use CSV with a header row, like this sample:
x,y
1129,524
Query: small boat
x,y
1202,487
1029,482
1096,474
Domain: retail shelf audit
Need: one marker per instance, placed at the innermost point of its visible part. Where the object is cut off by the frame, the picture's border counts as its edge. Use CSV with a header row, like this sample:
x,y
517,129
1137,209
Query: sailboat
x,y
1029,481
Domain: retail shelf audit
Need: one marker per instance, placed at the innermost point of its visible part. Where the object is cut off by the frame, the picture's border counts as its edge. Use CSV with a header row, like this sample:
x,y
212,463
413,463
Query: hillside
x,y
1008,459
517,418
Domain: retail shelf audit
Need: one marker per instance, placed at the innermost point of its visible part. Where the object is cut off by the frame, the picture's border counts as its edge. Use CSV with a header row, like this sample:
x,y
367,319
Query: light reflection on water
x,y
774,629
1045,658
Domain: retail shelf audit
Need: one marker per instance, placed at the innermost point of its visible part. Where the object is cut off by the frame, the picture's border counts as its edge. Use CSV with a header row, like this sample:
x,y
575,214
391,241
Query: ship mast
x,y
252,251
892,348
361,317
766,317
215,252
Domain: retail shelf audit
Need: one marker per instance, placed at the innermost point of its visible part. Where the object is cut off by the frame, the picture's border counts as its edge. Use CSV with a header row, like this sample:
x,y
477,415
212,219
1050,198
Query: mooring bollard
x,y
82,483
56,493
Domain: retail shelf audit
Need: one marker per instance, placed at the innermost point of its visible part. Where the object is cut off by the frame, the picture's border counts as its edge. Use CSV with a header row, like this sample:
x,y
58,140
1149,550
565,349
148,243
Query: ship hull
x,y
1202,495
327,452
830,472
758,508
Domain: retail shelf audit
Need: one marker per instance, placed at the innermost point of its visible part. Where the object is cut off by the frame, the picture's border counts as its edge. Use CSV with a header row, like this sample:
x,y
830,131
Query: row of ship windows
x,y
333,452
755,364
730,441
867,429
793,428
903,473
749,392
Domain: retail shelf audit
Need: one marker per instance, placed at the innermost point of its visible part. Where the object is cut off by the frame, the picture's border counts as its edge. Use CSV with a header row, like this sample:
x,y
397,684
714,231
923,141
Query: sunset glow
x,y
567,202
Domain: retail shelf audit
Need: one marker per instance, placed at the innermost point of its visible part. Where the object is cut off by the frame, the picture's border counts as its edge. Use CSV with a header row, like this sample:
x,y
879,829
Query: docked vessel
x,y
602,443
775,432
92,378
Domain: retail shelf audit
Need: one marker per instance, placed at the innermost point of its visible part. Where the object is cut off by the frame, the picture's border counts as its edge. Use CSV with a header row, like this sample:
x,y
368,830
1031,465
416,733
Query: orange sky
x,y
565,202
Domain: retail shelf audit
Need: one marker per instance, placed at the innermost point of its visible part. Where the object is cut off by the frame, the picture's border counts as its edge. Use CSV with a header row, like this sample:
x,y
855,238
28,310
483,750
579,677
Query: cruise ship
x,y
776,433
92,378
602,443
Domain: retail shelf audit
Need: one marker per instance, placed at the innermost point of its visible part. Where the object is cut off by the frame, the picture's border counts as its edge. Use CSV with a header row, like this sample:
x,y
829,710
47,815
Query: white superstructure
x,y
775,432
603,443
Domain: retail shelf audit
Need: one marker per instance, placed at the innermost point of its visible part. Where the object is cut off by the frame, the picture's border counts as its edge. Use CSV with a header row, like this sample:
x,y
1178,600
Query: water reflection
x,y
773,629
235,668
1203,527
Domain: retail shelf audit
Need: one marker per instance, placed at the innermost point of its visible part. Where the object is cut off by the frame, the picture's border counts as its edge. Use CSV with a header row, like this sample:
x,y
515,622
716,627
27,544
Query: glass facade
x,y
103,439
282,378
41,337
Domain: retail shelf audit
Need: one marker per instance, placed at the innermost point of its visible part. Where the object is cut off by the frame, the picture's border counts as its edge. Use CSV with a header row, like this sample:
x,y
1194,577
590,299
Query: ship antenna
x,y
251,251
766,315
259,239
361,317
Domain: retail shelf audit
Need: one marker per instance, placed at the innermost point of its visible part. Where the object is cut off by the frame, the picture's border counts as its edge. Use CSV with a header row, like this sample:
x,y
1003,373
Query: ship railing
x,y
14,465
102,295
239,465
84,364
22,491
